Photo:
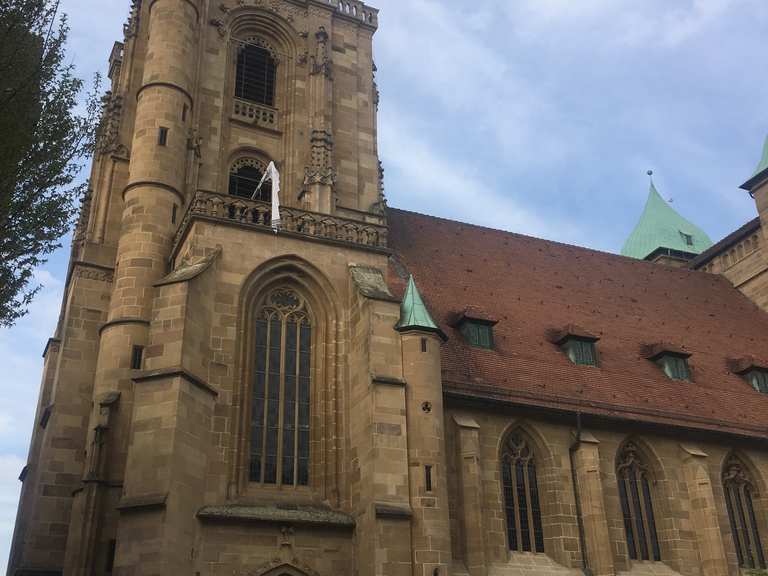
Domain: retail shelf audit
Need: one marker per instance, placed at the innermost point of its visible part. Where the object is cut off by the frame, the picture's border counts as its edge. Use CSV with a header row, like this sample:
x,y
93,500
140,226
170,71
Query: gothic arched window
x,y
739,492
244,177
637,505
521,496
279,451
256,72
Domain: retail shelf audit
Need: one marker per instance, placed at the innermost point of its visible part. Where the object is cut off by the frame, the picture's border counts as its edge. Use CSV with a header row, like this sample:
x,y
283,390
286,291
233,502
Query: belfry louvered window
x,y
739,492
244,178
521,496
279,452
256,71
637,505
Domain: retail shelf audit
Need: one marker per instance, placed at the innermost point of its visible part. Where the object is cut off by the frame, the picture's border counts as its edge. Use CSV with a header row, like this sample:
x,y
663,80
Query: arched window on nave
x,y
636,496
521,495
280,391
739,501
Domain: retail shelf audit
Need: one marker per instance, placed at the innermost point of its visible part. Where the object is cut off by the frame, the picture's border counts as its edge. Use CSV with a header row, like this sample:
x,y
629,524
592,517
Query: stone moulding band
x,y
393,511
123,321
190,2
156,184
170,85
142,503
149,375
304,515
388,381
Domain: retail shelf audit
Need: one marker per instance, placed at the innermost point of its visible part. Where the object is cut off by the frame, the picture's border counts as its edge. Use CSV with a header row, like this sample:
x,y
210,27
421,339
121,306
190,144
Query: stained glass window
x,y
742,516
255,74
280,392
521,496
637,505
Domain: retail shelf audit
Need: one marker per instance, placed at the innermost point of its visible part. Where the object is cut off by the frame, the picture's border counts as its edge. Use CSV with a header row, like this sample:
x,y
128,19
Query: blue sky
x,y
535,116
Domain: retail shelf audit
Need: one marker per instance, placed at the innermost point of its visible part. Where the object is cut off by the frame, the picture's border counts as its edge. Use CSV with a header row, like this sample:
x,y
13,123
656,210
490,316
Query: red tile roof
x,y
532,286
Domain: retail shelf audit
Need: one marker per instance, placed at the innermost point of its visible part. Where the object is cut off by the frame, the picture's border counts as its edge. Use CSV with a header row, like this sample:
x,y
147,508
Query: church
x,y
362,390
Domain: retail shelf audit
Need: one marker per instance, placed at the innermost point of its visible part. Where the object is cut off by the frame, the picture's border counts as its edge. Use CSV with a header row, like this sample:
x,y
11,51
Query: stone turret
x,y
421,343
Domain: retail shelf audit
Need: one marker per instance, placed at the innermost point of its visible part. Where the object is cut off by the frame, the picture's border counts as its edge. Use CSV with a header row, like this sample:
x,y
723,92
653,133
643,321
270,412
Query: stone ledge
x,y
388,381
149,375
393,511
140,503
306,515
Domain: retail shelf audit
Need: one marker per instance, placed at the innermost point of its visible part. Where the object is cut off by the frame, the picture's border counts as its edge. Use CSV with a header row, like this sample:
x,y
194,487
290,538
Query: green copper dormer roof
x,y
761,174
661,226
413,312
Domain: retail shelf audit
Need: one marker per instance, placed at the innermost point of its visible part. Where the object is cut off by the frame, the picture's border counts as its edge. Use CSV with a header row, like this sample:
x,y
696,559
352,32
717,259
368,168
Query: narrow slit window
x,y
428,478
184,113
162,136
522,507
280,394
174,213
423,344
137,355
636,500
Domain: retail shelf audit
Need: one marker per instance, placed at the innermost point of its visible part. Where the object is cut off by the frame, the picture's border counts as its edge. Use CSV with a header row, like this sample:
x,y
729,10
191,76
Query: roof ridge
x,y
586,249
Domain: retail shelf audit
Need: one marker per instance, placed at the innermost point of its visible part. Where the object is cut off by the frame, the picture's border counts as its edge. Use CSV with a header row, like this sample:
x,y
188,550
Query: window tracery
x,y
521,496
244,177
280,397
739,492
637,505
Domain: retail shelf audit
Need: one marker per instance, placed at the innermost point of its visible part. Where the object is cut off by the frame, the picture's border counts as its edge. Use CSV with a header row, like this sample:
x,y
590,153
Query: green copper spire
x,y
661,226
414,313
761,174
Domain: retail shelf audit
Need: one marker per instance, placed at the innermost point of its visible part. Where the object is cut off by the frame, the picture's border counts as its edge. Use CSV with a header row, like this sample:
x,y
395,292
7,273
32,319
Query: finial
x,y
650,172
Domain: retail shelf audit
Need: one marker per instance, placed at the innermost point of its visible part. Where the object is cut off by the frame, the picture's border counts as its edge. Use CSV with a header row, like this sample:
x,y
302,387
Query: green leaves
x,y
44,145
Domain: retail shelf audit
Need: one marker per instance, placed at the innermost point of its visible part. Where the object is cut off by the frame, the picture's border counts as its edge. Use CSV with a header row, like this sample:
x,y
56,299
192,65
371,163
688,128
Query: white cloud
x,y
458,191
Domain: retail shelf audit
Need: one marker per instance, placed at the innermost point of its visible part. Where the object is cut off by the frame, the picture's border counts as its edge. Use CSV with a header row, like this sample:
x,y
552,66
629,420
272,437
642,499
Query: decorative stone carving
x,y
321,171
131,27
108,141
89,273
321,61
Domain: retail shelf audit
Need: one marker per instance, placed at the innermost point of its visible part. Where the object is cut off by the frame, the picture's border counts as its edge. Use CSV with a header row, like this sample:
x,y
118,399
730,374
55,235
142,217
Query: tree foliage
x,y
46,135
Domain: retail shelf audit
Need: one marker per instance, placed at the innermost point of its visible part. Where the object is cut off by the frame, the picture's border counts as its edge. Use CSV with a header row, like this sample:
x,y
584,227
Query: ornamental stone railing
x,y
257,214
252,113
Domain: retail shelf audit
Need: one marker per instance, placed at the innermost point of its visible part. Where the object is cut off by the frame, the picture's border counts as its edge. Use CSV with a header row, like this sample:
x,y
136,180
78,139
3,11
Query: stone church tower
x,y
180,298
365,391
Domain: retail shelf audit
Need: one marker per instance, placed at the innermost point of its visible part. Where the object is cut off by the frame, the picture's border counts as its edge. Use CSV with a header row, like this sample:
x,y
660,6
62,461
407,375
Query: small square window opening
x,y
758,379
675,367
477,334
581,352
687,238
